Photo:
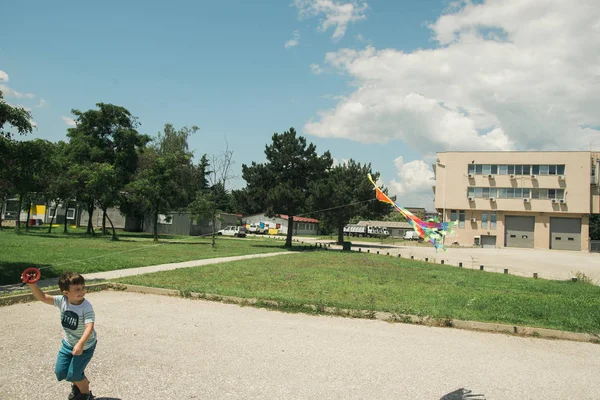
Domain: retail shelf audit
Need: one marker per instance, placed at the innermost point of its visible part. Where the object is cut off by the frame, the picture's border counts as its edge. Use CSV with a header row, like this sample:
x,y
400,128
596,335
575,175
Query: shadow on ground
x,y
10,272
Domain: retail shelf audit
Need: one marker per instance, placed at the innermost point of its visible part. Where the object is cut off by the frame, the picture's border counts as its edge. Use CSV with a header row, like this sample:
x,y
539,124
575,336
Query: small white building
x,y
302,225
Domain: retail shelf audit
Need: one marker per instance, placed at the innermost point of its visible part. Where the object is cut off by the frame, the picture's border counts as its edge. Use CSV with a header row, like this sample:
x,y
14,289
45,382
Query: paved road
x,y
157,347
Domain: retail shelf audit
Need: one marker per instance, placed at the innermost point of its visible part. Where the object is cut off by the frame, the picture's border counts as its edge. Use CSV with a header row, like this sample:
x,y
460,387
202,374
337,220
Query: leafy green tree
x,y
29,172
7,166
61,187
345,193
214,199
17,117
107,135
163,181
283,182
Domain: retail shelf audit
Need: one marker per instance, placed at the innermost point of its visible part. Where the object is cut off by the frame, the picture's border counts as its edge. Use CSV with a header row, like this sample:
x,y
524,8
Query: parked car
x,y
238,231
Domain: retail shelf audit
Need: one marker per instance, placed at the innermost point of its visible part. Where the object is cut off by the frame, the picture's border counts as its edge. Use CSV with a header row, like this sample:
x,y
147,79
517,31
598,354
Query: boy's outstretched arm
x,y
41,296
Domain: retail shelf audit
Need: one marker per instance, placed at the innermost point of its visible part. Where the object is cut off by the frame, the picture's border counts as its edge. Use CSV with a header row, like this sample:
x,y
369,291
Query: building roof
x,y
299,219
387,224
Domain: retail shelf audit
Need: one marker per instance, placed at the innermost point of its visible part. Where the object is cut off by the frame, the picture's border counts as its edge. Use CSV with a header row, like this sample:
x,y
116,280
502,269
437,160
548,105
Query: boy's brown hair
x,y
69,278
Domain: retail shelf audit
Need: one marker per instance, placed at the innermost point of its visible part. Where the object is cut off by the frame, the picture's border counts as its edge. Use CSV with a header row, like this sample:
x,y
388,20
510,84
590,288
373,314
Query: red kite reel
x,y
31,275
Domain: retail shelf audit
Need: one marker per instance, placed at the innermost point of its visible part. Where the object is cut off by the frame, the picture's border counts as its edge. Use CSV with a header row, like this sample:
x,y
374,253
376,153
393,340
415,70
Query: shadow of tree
x,y
10,272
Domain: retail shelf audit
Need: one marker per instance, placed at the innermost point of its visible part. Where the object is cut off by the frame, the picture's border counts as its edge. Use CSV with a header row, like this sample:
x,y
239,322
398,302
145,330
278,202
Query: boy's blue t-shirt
x,y
74,318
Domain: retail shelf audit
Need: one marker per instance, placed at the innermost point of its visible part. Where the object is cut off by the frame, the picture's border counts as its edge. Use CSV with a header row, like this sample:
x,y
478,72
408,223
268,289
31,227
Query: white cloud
x,y
316,69
69,121
293,42
507,74
335,14
414,187
42,103
9,92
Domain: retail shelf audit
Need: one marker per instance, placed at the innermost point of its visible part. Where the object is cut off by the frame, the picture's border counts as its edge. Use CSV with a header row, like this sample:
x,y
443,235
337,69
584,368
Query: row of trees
x,y
105,162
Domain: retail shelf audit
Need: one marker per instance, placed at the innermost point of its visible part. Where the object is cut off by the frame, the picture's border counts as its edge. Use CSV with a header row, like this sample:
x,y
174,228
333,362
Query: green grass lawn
x,y
380,283
80,252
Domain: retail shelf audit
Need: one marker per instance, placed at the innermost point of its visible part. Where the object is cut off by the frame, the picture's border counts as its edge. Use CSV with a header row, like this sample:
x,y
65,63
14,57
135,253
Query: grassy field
x,y
58,252
380,283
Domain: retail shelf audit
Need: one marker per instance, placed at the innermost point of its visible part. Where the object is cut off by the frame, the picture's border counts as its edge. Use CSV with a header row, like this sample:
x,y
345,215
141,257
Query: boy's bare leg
x,y
83,385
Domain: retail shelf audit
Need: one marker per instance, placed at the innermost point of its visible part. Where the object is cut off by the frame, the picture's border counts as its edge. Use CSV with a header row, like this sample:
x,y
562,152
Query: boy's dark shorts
x,y
69,367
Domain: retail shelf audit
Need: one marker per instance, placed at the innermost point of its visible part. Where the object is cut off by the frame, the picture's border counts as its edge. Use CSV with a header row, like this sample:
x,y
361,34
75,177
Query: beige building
x,y
518,199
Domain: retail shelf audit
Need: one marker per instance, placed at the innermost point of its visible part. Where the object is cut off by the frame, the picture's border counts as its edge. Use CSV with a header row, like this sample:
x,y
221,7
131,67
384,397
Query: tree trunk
x,y
288,239
19,213
156,225
214,222
2,204
66,207
114,234
90,229
28,215
104,221
340,239
52,218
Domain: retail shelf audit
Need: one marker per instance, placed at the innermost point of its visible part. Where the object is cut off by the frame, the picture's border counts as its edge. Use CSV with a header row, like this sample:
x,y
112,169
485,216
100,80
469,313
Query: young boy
x,y
79,341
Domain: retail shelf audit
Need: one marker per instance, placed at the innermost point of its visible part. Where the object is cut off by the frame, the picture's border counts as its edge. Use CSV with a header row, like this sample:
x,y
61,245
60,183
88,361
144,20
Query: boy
x,y
79,341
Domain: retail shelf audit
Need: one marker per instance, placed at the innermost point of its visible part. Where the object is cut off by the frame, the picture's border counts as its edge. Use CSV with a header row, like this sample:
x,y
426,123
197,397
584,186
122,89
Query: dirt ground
x,y
158,347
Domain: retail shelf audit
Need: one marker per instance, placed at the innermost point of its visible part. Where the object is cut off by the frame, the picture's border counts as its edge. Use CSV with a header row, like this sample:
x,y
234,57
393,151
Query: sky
x,y
385,82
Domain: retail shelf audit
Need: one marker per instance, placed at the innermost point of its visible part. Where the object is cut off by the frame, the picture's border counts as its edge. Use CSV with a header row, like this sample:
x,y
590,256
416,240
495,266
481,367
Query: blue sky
x,y
369,80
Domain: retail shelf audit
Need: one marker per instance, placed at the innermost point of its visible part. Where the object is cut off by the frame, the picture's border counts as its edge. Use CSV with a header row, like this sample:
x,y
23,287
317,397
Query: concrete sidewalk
x,y
120,273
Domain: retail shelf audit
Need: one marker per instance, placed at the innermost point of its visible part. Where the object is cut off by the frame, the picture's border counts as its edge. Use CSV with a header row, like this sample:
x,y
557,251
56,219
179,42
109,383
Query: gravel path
x,y
158,347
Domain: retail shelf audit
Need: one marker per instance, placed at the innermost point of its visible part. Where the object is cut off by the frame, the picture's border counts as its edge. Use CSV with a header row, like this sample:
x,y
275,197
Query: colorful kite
x,y
431,230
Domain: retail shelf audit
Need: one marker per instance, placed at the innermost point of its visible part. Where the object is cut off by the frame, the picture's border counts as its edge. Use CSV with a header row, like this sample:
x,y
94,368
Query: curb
x,y
513,330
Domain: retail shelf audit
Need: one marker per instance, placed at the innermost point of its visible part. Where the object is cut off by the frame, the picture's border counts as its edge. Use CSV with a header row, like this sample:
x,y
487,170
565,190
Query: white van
x,y
411,235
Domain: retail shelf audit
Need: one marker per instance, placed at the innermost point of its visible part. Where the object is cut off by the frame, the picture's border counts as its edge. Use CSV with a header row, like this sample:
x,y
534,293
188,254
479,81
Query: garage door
x,y
488,241
565,233
518,231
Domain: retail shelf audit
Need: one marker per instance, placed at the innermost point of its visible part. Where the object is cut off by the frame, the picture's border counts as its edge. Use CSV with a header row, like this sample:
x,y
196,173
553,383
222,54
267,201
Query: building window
x,y
484,220
461,219
552,169
511,169
51,212
560,169
535,170
526,193
452,215
478,169
494,169
471,192
471,169
503,170
544,169
165,219
493,220
71,213
526,169
518,170
486,193
486,169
